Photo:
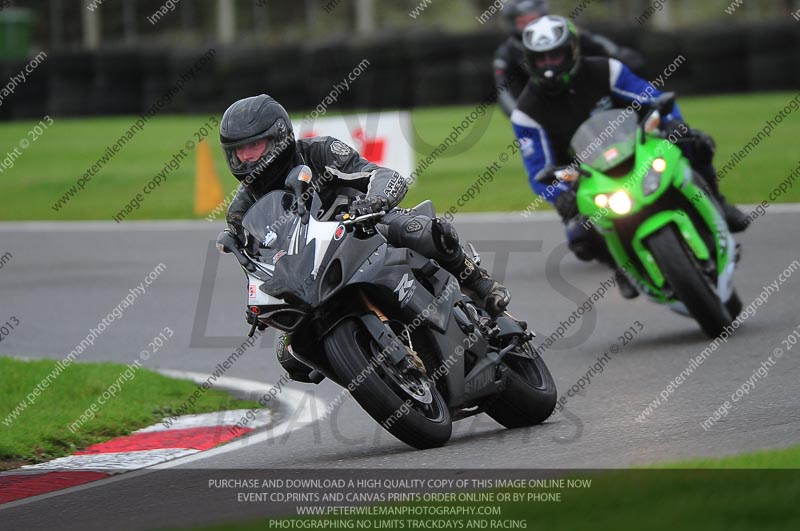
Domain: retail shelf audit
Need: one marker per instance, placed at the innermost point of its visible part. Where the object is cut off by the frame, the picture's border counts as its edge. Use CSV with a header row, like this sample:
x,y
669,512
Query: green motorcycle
x,y
640,193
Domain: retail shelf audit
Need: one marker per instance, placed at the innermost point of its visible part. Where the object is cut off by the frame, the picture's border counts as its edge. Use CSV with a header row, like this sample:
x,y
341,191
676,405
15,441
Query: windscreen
x,y
281,243
606,139
271,223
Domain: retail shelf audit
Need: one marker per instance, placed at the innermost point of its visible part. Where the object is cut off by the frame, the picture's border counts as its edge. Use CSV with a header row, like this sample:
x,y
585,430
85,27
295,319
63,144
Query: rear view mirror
x,y
652,122
297,181
665,103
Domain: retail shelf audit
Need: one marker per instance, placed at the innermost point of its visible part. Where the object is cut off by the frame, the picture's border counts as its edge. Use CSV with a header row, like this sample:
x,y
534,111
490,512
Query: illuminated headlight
x,y
620,203
601,200
652,181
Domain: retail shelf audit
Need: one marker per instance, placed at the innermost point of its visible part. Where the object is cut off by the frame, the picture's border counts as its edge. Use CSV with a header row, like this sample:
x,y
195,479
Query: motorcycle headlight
x,y
620,203
652,181
601,200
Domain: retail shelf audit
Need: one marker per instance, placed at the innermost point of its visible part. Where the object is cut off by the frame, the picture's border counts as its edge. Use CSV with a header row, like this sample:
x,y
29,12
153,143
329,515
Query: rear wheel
x,y
690,285
406,404
530,394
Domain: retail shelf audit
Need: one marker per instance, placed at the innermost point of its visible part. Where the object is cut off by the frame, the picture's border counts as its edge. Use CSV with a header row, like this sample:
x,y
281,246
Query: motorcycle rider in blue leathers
x,y
564,90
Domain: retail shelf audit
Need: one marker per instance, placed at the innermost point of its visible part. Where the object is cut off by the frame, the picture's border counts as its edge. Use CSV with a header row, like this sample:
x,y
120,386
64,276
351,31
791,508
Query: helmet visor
x,y
257,153
553,59
251,152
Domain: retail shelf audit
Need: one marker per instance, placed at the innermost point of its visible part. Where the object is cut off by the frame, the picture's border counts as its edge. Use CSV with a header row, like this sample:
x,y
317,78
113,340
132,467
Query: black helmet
x,y
252,121
519,8
552,52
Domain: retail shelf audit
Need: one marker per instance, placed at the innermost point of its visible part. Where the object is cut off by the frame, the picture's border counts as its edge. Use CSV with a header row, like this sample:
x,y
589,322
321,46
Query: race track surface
x,y
63,279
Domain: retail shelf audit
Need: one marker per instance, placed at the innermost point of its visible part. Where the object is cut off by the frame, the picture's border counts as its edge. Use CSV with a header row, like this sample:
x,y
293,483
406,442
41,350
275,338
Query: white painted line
x,y
304,407
117,461
211,226
209,420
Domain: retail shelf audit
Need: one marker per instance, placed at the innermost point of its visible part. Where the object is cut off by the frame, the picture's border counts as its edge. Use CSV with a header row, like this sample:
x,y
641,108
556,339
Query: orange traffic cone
x,y
207,187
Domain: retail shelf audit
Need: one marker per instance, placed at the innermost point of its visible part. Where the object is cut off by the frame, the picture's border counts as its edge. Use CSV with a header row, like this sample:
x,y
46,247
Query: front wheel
x,y
407,405
530,394
687,281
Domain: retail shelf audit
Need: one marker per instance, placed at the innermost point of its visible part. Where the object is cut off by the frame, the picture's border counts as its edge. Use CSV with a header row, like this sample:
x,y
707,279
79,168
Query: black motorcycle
x,y
389,324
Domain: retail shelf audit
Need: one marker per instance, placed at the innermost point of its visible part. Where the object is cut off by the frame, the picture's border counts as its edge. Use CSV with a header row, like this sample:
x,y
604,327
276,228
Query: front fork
x,y
412,359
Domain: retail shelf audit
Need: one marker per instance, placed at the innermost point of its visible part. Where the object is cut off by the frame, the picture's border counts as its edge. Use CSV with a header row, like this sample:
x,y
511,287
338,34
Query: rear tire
x,y
530,394
690,285
350,352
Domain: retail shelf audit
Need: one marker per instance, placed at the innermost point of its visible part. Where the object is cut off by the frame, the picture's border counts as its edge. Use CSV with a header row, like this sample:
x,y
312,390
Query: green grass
x,y
46,169
41,431
699,494
786,458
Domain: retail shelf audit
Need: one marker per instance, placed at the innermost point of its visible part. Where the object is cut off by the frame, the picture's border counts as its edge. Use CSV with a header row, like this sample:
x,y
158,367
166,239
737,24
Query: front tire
x,y
351,353
689,284
530,394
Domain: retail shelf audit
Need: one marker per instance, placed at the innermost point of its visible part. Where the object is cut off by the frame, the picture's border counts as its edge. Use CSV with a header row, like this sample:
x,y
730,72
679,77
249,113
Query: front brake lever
x,y
475,256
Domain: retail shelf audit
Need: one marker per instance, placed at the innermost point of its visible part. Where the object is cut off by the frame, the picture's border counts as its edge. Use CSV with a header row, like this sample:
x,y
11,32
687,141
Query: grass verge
x,y
45,170
41,431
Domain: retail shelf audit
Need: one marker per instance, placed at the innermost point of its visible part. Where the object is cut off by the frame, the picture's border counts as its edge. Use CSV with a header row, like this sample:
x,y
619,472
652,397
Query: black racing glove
x,y
368,205
237,231
703,147
566,204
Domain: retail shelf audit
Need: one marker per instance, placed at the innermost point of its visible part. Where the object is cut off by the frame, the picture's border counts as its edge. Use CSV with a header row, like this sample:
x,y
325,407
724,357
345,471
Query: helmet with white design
x,y
552,52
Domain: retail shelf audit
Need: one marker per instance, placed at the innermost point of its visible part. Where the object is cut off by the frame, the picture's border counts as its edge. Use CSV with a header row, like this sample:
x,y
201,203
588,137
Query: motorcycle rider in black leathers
x,y
260,149
510,72
564,90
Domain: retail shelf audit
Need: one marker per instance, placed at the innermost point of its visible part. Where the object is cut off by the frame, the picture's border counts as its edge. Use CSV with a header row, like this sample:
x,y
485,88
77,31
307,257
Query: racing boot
x,y
736,219
475,281
490,294
478,284
626,287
